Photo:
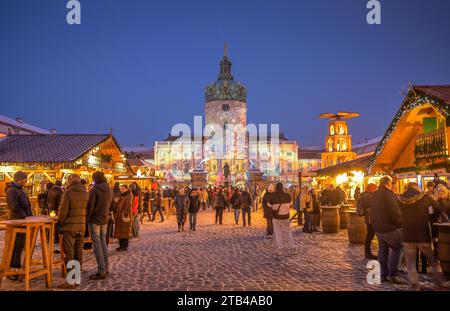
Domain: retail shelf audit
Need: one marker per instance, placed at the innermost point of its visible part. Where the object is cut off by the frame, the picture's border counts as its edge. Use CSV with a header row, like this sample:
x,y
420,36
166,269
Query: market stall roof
x,y
20,124
355,165
48,147
403,127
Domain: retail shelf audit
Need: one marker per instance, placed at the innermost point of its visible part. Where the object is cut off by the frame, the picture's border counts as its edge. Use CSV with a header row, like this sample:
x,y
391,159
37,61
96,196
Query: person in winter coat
x,y
43,199
54,197
386,221
306,206
443,197
123,218
181,203
280,202
220,203
20,208
340,195
146,210
194,207
157,206
363,209
316,210
72,222
267,210
135,209
98,207
416,208
234,202
245,201
357,196
332,196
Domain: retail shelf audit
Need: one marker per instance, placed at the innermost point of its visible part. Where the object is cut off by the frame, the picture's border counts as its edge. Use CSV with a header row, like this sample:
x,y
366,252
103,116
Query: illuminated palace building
x,y
240,150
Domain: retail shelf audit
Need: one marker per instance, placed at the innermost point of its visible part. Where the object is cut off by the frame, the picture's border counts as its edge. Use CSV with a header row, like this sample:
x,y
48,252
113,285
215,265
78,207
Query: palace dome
x,y
225,88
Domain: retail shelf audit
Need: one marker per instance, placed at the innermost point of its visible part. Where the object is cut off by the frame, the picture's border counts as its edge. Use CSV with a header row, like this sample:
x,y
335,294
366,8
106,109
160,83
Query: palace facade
x,y
229,148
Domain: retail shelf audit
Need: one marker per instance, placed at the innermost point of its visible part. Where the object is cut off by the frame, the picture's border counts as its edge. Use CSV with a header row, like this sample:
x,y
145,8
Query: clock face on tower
x,y
225,117
225,107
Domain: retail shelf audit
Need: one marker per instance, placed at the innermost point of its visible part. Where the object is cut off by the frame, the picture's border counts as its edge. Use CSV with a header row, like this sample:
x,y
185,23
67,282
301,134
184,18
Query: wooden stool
x,y
31,228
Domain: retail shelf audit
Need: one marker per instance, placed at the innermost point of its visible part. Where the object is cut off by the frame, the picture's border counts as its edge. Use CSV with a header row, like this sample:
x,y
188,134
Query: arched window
x,y
330,145
342,145
331,129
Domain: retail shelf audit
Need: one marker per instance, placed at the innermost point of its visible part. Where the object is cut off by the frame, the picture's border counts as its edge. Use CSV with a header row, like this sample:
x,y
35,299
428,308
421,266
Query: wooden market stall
x,y
347,175
50,157
415,145
143,173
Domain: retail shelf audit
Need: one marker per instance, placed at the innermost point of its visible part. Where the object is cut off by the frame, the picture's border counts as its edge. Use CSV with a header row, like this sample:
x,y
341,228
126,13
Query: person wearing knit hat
x,y
363,209
20,177
20,208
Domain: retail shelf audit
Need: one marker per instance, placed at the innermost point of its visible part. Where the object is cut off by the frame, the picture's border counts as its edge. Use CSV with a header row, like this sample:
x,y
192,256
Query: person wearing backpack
x,y
280,202
363,209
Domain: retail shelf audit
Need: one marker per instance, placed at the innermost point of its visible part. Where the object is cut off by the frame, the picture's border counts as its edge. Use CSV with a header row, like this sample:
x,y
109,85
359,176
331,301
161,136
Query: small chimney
x,y
53,131
20,120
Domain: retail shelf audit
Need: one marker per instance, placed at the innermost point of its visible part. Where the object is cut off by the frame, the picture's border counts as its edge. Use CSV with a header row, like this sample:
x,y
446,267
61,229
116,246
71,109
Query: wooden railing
x,y
432,145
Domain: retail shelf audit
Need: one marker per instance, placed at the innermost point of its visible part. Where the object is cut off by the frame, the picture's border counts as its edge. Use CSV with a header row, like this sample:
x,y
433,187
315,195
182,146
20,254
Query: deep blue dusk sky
x,y
141,66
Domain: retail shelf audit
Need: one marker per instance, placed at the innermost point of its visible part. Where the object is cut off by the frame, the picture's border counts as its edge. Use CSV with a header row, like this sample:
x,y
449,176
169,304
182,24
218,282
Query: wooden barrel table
x,y
444,247
357,228
330,219
344,216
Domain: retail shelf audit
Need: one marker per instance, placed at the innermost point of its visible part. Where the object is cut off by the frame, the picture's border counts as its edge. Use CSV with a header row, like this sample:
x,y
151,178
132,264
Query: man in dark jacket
x,y
99,203
20,208
194,207
363,208
54,197
267,210
72,221
234,202
386,221
245,201
416,208
330,196
181,203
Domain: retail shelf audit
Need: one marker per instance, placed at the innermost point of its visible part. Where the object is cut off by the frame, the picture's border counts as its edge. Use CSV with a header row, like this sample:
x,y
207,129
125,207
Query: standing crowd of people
x,y
82,211
402,223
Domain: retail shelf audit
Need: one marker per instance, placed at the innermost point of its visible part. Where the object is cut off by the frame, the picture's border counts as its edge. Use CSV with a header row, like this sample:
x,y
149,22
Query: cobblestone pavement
x,y
226,257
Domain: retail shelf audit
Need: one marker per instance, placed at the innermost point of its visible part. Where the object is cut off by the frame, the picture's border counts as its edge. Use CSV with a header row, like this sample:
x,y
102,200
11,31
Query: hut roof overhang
x,y
359,164
51,148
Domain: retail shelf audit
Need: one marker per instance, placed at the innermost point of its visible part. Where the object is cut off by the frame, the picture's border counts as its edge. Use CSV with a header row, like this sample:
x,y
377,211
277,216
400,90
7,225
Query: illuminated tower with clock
x,y
338,142
226,110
